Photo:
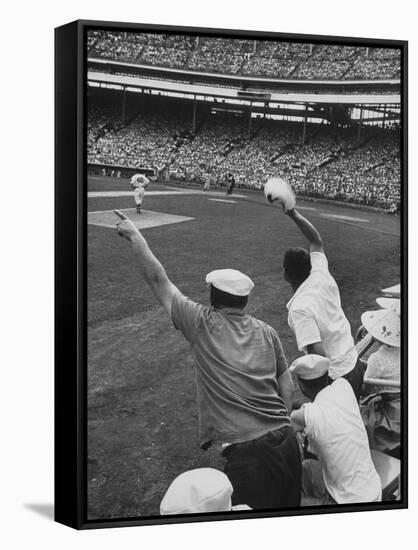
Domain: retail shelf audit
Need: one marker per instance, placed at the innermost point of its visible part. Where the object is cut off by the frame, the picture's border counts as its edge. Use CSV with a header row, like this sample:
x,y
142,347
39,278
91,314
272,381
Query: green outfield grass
x,y
142,415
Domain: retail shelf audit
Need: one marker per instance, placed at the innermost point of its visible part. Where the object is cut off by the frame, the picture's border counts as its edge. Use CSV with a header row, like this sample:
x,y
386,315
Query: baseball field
x,y
142,415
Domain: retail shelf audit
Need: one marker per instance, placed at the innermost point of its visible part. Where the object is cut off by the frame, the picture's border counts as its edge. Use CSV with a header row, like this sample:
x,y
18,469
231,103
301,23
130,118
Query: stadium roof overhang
x,y
237,95
239,81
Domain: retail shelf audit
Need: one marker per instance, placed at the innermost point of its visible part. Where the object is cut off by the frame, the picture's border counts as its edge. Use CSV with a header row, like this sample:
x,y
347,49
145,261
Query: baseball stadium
x,y
208,120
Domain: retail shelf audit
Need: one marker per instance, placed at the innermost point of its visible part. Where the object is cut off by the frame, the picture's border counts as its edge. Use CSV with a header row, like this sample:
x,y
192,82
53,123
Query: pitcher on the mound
x,y
139,182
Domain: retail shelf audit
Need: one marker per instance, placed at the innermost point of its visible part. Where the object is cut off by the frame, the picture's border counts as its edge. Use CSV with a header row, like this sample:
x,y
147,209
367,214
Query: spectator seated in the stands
x,y
381,402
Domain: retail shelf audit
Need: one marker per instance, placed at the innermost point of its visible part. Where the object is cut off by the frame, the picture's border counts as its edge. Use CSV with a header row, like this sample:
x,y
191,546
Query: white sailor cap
x,y
310,366
200,490
231,281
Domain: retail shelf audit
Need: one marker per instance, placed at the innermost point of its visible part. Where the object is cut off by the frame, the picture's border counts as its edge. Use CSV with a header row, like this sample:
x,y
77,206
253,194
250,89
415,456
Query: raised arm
x,y
150,268
308,230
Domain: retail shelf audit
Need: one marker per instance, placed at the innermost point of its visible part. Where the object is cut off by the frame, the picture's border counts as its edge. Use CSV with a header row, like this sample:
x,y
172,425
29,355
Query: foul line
x,y
104,194
223,200
364,227
340,217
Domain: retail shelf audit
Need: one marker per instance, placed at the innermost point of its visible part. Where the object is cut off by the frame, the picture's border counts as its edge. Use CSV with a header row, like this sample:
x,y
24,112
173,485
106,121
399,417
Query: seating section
x,y
329,165
262,58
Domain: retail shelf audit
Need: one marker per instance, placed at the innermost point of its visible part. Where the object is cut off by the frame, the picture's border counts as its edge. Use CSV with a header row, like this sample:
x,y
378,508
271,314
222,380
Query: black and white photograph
x,y
244,209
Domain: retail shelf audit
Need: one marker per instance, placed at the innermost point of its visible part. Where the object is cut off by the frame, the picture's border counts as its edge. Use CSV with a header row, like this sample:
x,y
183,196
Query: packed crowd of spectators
x,y
221,55
203,155
115,45
168,50
276,59
149,141
146,48
249,57
328,165
369,175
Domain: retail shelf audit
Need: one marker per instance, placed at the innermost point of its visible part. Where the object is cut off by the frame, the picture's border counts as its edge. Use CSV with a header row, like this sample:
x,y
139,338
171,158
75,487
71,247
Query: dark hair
x,y
311,388
297,264
219,298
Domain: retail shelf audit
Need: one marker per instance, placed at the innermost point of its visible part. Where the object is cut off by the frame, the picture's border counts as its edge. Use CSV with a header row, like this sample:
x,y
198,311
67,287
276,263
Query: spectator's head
x,y
229,288
201,490
312,373
296,266
219,299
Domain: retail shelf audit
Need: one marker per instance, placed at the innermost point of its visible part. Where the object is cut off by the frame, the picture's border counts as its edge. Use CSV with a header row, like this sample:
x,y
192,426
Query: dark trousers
x,y
355,377
265,472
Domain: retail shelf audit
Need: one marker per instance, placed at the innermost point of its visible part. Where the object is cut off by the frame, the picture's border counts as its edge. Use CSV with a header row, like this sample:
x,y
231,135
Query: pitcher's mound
x,y
148,218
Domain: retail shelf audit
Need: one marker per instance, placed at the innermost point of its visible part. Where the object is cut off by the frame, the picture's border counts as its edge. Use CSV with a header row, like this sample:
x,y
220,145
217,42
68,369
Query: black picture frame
x,y
70,274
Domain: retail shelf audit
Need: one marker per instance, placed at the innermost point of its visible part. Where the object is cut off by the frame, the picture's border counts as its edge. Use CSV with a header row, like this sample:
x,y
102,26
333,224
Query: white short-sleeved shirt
x,y
315,315
338,437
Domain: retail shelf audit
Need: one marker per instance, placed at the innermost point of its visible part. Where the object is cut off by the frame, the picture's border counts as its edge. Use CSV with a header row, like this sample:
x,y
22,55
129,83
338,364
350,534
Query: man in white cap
x,y
315,314
343,472
244,389
202,490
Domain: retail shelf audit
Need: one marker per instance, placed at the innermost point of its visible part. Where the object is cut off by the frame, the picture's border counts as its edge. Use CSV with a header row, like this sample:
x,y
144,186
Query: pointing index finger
x,y
121,215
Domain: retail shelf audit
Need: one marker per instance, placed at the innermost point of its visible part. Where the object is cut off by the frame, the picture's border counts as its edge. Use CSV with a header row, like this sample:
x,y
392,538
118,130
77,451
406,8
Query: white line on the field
x,y
344,218
106,211
223,200
97,194
306,207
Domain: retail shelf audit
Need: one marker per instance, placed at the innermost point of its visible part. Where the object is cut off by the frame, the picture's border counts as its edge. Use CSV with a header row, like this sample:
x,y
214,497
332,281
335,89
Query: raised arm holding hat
x,y
244,388
315,314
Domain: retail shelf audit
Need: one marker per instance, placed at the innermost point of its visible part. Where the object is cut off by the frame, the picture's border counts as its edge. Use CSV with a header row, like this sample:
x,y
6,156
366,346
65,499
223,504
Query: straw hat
x,y
384,325
390,303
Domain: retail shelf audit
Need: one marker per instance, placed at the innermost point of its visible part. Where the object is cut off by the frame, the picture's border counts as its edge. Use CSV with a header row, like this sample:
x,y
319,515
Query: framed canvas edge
x,y
74,511
68,428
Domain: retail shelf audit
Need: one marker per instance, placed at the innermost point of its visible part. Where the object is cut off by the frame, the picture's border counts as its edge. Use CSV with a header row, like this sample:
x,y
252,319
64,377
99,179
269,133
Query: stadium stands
x,y
297,61
328,165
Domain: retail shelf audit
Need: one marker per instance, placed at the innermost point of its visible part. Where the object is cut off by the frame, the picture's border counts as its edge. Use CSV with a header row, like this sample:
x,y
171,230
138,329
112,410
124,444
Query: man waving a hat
x,y
244,389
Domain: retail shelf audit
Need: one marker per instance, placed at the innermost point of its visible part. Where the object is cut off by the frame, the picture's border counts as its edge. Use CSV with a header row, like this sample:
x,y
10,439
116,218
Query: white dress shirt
x,y
315,315
338,437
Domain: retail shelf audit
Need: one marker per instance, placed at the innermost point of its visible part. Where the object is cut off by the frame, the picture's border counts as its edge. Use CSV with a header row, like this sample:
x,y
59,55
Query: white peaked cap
x,y
198,491
384,325
309,367
231,281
